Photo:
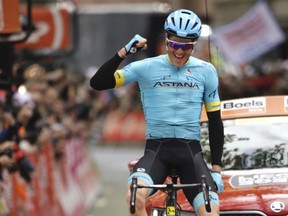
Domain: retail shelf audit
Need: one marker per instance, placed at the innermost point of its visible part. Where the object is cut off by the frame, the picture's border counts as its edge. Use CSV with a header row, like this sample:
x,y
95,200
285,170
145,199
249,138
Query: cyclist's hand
x,y
218,181
136,44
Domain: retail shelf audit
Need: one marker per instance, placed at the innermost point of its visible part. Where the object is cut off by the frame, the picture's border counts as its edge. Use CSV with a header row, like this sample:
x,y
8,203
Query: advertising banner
x,y
53,30
252,35
9,17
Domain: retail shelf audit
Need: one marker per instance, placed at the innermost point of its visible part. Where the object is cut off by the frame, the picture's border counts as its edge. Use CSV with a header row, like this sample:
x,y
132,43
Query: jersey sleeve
x,y
211,94
127,74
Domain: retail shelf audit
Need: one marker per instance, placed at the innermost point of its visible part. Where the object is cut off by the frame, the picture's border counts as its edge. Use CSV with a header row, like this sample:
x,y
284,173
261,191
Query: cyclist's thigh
x,y
151,164
193,168
202,169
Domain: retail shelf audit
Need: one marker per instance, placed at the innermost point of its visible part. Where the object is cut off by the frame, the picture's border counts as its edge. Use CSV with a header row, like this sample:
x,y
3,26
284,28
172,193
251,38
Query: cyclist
x,y
173,88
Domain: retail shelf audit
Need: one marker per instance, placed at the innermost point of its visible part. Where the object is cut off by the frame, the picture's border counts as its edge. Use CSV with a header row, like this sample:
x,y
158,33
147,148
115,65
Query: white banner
x,y
249,37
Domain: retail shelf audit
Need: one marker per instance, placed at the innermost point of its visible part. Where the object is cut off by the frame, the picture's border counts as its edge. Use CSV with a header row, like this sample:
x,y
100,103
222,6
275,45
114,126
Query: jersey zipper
x,y
176,101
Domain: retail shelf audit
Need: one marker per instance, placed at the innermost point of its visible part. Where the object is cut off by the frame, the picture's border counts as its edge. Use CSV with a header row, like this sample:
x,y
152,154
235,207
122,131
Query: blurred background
x,y
66,145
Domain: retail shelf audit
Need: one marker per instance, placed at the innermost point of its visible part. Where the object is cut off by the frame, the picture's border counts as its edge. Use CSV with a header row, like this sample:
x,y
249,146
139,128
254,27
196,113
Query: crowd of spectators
x,y
270,78
46,105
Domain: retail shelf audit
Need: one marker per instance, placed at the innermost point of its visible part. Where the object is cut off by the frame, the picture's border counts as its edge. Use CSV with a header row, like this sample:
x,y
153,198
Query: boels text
x,y
244,104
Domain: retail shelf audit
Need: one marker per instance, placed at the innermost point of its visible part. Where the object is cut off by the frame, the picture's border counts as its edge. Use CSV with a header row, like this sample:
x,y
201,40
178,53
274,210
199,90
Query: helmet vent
x,y
195,25
180,23
188,24
185,12
172,19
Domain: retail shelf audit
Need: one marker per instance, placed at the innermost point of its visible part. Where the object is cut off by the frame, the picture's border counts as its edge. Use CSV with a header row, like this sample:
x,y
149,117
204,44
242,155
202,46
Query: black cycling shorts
x,y
185,156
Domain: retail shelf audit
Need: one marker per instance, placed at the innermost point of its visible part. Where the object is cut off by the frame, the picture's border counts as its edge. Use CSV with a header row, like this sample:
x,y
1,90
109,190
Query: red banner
x,y
9,17
53,29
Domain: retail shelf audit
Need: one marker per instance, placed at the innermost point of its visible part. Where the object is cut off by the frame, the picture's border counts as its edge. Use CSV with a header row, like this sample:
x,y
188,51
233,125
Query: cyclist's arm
x,y
216,139
104,77
213,107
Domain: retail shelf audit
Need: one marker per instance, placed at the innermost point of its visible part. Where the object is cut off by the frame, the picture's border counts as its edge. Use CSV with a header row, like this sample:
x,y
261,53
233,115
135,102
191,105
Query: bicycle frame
x,y
171,188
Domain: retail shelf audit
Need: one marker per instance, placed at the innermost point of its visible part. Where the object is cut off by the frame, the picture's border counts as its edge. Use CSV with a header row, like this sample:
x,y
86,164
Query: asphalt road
x,y
111,163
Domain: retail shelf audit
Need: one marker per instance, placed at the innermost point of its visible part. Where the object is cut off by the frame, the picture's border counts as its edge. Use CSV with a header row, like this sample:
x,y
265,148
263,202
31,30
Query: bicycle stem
x,y
171,205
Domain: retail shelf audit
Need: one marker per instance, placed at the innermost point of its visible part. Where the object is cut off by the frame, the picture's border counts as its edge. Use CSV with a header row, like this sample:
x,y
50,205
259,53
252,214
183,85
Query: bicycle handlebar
x,y
203,185
170,186
205,190
133,189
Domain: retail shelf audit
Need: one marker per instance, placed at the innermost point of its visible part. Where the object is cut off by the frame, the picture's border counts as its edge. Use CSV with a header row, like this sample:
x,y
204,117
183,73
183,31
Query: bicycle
x,y
171,188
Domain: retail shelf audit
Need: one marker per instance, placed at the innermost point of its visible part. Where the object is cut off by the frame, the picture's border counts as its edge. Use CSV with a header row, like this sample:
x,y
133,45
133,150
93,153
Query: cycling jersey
x,y
172,97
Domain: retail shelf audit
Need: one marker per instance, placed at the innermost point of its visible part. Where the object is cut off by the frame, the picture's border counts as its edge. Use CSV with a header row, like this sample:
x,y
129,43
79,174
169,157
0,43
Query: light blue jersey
x,y
172,97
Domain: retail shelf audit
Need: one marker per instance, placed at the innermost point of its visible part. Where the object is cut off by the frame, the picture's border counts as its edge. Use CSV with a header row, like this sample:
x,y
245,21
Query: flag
x,y
252,35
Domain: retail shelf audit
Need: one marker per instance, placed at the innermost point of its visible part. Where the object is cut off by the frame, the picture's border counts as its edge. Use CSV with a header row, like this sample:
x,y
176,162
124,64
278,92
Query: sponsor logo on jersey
x,y
213,106
176,84
213,94
165,77
188,71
